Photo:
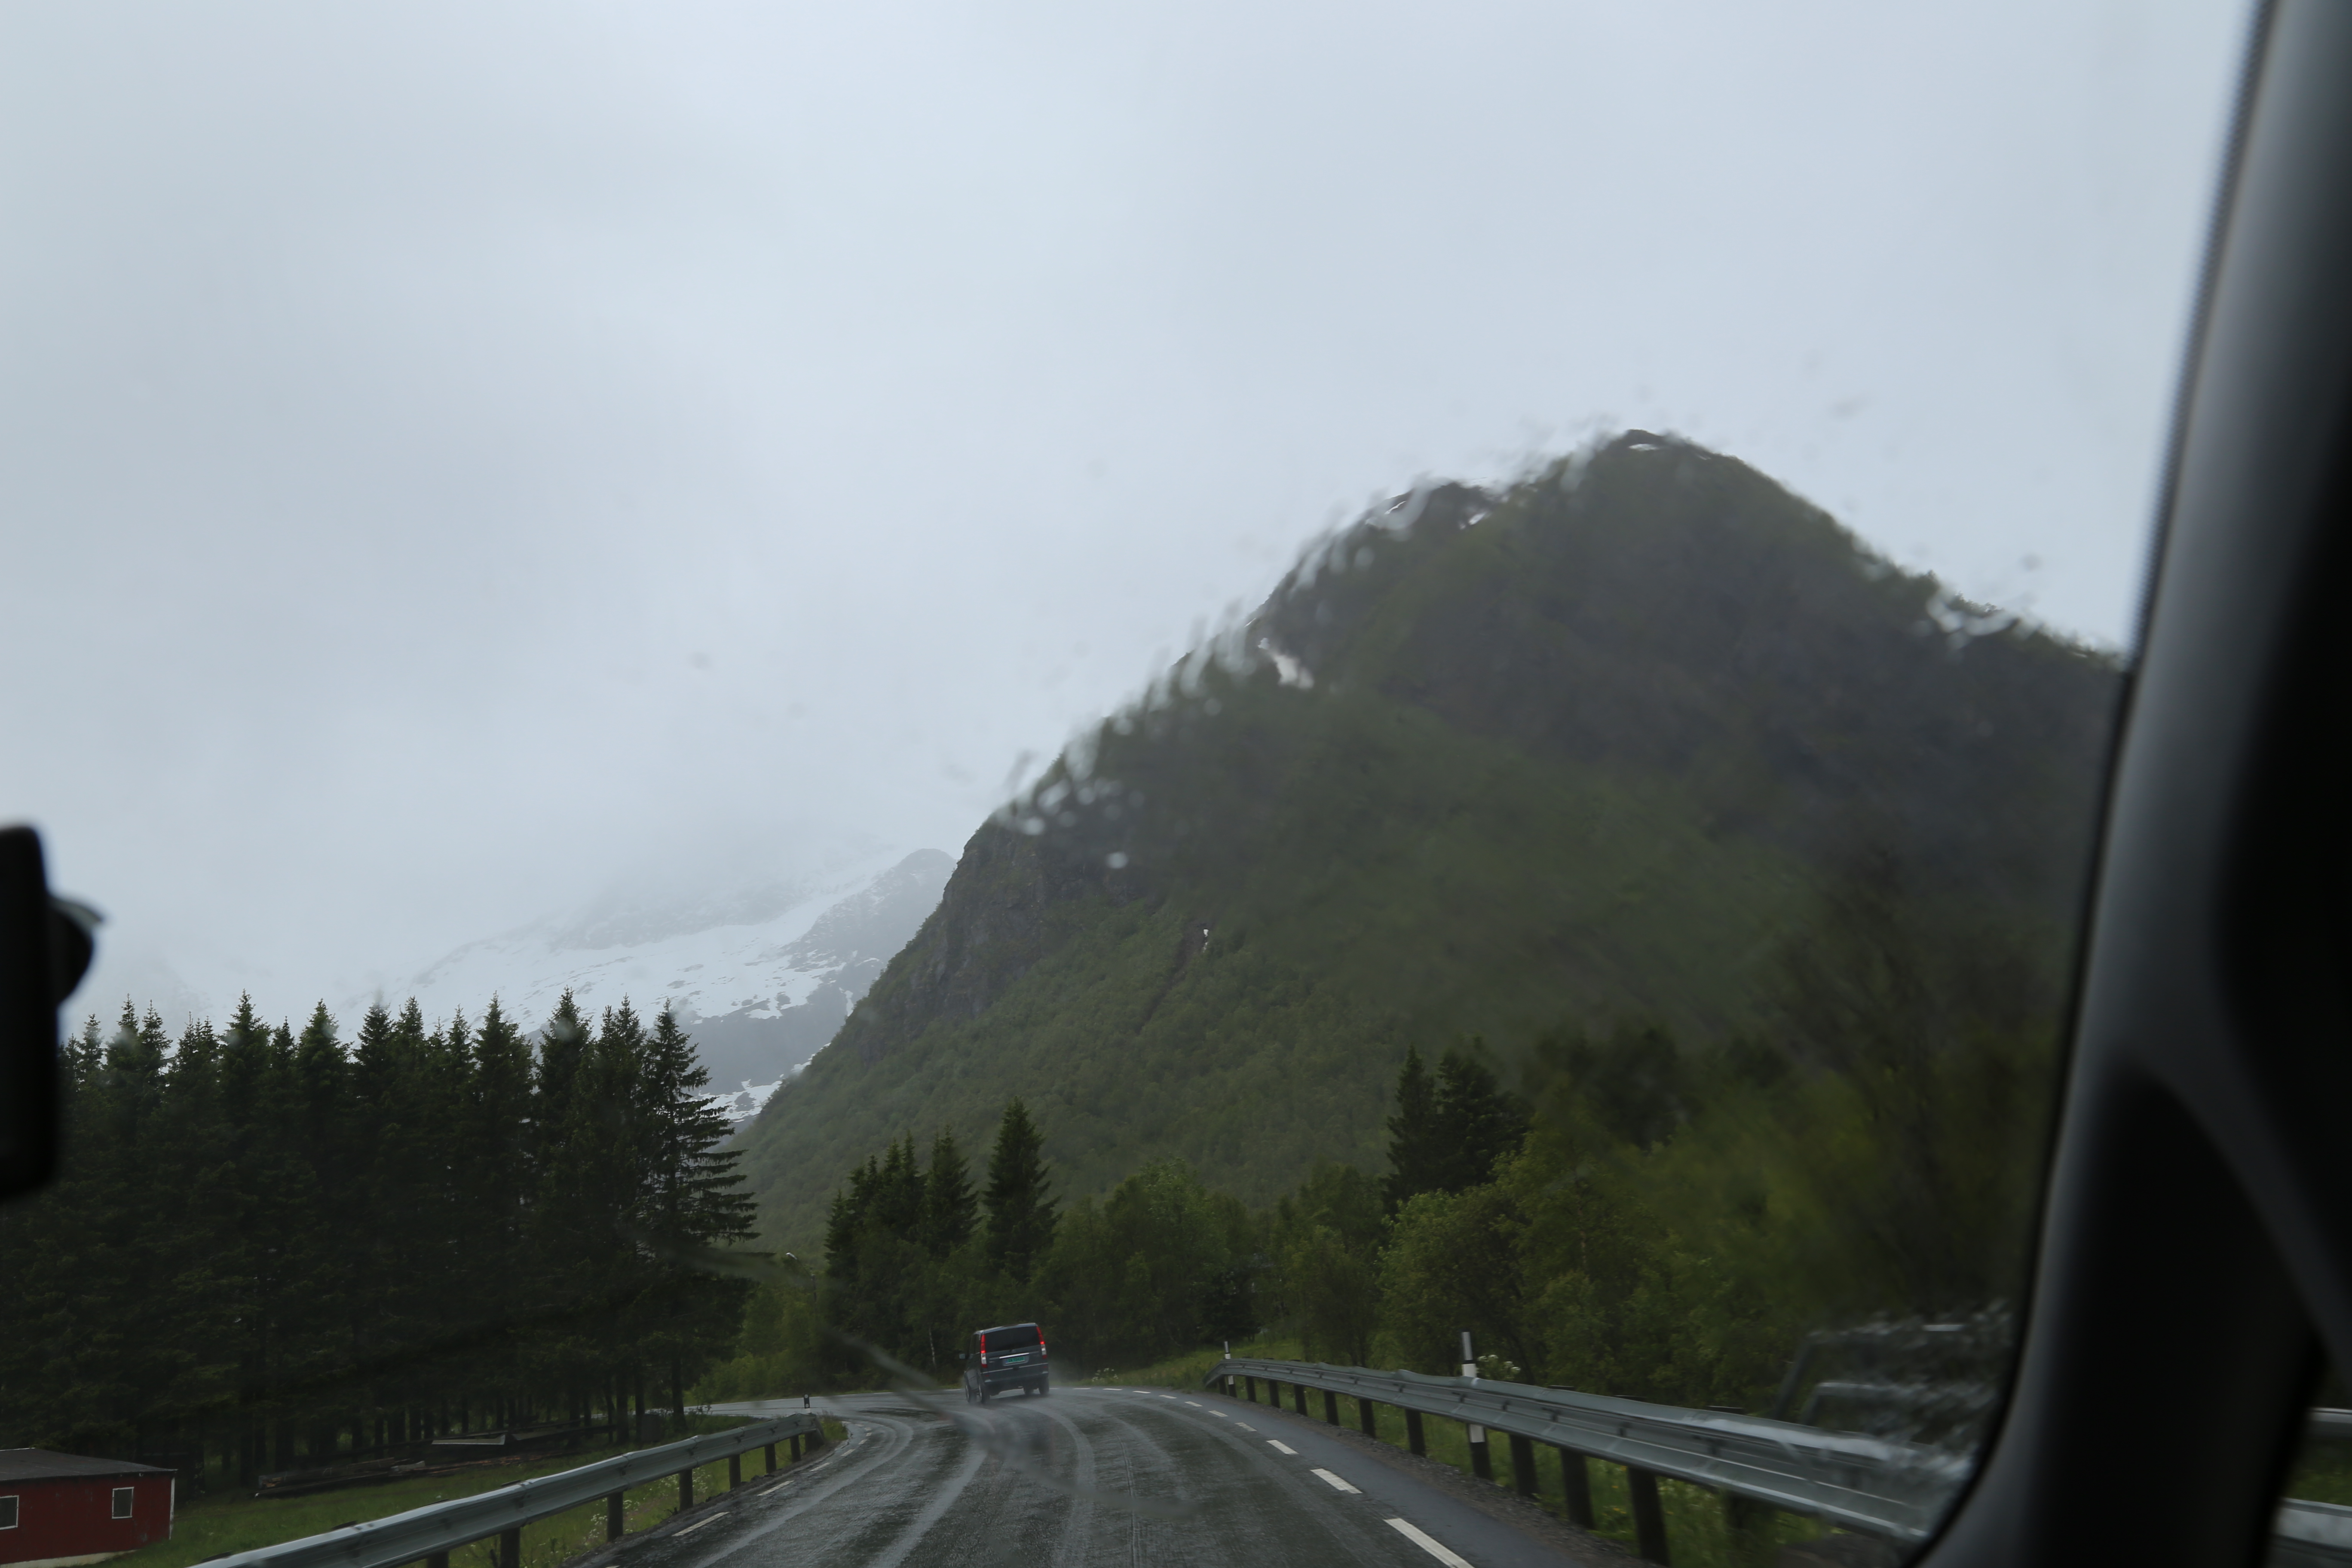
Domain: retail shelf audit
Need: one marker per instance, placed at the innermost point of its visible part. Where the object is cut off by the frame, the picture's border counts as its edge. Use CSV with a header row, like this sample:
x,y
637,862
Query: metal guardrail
x,y
430,1533
2311,1535
1896,1491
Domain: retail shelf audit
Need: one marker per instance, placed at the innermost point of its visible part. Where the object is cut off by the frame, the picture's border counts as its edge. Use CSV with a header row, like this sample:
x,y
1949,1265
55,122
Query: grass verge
x,y
1187,1371
218,1525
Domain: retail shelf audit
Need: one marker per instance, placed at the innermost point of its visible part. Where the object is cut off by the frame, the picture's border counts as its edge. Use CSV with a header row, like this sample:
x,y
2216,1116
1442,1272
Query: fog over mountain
x,y
454,453
763,973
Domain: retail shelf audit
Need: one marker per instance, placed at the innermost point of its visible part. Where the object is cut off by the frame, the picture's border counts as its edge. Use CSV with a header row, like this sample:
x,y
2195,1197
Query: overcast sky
x,y
455,456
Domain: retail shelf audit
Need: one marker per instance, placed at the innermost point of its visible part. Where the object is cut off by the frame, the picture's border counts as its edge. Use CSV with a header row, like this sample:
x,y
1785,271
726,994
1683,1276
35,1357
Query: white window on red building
x,y
123,1502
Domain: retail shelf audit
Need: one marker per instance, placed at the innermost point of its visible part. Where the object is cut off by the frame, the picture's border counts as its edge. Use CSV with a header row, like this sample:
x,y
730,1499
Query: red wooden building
x,y
60,1508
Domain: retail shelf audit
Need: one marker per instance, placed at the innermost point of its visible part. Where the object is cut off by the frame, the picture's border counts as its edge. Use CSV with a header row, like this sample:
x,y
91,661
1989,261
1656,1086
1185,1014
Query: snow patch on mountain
x,y
762,977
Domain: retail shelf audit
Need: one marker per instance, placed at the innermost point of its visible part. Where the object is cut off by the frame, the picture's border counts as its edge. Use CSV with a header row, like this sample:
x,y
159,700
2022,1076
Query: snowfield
x,y
762,981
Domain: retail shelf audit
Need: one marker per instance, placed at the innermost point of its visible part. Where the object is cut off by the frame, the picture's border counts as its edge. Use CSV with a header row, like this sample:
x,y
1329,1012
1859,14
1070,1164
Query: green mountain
x,y
1576,753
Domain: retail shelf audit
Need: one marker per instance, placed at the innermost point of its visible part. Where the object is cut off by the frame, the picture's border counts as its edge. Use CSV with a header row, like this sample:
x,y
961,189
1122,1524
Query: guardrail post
x,y
613,1523
439,1560
1330,1408
685,1497
1299,1397
1482,1456
1749,1521
1523,1466
1413,1439
1649,1517
511,1548
1576,1486
1250,1384
795,1442
1365,1417
772,1458
734,1471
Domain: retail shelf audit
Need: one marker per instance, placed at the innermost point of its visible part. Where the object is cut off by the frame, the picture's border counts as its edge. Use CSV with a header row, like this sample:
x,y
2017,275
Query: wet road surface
x,y
1084,1476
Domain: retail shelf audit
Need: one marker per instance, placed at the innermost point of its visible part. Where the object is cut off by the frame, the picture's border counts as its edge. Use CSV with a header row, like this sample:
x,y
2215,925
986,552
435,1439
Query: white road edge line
x,y
1420,1538
1245,1425
698,1523
1283,1446
774,1490
1337,1484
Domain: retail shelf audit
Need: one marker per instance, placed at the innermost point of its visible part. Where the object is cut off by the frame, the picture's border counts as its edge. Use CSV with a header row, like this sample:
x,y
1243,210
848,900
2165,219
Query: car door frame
x,y
2194,1271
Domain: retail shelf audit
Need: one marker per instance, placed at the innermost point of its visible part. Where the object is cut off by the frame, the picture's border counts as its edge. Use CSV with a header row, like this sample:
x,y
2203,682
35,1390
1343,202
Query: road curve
x,y
1079,1477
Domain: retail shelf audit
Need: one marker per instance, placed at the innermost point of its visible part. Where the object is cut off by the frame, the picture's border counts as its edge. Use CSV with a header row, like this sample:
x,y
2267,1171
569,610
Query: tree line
x,y
271,1249
1637,1216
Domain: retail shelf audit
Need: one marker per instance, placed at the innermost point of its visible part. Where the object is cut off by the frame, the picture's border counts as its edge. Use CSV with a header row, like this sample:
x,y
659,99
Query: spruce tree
x,y
320,1237
1416,1137
695,1206
1450,1127
594,1271
698,1198
152,1288
562,1043
1479,1121
895,1203
847,1222
950,1206
1020,1204
496,1149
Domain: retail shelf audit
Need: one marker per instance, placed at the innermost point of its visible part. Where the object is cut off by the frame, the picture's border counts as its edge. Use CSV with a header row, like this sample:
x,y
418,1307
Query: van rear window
x,y
1012,1339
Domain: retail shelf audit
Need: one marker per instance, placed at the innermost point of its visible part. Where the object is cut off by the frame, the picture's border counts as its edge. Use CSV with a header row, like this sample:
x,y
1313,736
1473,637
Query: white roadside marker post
x,y
1482,1461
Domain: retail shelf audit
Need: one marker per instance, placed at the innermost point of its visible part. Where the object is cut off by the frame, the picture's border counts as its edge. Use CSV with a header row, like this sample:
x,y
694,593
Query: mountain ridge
x,y
1582,749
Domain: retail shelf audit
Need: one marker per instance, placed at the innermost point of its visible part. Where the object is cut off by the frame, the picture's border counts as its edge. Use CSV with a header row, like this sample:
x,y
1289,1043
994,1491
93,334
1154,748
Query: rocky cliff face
x,y
995,922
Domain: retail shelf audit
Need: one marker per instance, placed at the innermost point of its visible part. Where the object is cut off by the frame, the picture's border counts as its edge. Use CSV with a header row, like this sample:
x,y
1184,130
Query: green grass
x,y
2322,1473
1187,1371
218,1525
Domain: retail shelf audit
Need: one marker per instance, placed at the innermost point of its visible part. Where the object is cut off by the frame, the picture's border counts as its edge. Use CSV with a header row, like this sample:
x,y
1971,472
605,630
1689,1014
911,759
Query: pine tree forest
x,y
273,1248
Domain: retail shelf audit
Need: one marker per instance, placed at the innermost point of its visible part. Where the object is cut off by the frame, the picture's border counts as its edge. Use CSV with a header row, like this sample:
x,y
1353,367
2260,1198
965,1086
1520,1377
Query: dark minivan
x,y
1011,1355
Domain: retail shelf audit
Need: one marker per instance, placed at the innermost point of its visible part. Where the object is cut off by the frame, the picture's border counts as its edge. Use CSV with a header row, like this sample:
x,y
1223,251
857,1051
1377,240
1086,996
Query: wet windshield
x,y
1400,716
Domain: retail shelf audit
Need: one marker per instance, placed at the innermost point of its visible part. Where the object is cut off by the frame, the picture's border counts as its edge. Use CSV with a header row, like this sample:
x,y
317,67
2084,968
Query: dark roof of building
x,y
40,1465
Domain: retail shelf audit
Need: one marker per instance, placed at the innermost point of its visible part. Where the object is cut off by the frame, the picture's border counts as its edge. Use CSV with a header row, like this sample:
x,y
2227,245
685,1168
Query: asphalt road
x,y
1083,1476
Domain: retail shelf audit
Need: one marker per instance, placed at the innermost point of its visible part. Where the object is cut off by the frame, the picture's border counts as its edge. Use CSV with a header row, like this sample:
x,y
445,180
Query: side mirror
x,y
45,950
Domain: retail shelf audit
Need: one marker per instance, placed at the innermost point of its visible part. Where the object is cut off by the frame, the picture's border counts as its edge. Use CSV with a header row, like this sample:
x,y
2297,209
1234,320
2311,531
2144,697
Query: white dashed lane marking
x,y
1421,1537
1218,1414
1337,1484
1283,1446
1196,1404
1245,1425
